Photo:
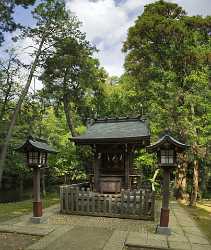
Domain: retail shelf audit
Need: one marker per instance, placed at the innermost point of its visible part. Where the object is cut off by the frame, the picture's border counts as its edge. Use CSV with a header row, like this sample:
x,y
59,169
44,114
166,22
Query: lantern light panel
x,y
167,156
37,158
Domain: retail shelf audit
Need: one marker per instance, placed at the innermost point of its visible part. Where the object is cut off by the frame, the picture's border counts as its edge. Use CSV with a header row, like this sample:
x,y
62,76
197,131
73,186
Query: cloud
x,y
195,7
106,23
134,4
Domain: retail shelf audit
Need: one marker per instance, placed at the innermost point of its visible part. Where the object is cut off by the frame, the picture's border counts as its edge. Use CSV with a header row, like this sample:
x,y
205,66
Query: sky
x,y
106,23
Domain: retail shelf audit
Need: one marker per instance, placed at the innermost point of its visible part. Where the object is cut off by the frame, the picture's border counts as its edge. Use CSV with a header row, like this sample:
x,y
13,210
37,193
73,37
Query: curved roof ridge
x,y
36,143
115,130
167,138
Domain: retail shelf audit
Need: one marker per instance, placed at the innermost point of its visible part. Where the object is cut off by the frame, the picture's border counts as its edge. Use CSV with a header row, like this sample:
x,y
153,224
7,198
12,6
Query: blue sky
x,y
106,23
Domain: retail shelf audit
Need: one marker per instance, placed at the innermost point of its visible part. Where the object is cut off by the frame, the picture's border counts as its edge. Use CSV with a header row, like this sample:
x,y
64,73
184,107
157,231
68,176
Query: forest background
x,y
167,80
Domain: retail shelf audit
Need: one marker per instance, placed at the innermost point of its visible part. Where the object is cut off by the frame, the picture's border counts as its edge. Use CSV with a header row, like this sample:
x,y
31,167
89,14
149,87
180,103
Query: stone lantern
x,y
166,148
36,156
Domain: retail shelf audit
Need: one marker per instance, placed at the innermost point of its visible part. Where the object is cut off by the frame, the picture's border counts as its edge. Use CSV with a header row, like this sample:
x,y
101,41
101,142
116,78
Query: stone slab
x,y
146,241
163,230
81,238
195,239
177,238
179,245
116,241
52,237
27,229
38,220
200,247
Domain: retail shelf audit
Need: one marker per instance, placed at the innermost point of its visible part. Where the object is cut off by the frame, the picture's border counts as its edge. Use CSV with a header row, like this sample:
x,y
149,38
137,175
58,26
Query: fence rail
x,y
136,204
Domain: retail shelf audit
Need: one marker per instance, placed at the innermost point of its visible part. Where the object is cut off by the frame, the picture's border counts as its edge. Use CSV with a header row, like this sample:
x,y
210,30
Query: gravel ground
x,y
103,222
12,241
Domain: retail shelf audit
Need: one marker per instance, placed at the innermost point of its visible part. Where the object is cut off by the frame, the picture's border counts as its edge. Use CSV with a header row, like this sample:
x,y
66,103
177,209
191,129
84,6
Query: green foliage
x,y
7,23
11,210
66,163
167,62
166,80
170,71
145,159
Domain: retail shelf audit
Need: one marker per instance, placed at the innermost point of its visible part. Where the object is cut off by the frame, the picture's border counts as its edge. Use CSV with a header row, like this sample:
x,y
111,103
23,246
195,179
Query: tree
x,y
70,74
9,76
7,23
53,22
166,58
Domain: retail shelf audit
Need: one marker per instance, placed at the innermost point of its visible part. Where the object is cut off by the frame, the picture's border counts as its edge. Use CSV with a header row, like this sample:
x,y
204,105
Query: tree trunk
x,y
3,153
68,114
43,183
181,180
203,177
9,86
21,187
195,183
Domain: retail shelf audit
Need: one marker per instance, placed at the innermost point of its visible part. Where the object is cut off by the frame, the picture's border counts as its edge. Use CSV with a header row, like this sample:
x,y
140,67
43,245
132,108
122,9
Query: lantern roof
x,y
36,144
167,139
115,130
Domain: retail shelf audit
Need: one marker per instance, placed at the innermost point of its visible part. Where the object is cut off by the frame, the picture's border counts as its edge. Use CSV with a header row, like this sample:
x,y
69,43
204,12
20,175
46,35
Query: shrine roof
x,y
167,138
37,144
115,130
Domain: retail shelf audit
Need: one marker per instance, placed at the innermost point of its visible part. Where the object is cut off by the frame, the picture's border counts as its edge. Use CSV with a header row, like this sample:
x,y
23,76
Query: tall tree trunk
x,y
203,177
196,152
195,187
43,183
181,180
21,187
3,153
9,86
68,114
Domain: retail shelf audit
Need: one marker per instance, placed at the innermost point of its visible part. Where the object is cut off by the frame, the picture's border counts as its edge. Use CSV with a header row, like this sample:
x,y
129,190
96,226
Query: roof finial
x,y
167,131
30,137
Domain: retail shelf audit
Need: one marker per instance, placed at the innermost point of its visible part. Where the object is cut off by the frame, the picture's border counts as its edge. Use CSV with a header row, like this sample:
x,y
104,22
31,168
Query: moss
x,y
202,218
14,209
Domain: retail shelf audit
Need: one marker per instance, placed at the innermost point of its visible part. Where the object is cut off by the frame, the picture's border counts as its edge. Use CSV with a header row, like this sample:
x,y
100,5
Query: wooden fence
x,y
136,204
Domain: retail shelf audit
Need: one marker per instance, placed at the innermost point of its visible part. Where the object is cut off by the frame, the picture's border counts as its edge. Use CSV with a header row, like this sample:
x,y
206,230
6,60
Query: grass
x,y
202,215
14,209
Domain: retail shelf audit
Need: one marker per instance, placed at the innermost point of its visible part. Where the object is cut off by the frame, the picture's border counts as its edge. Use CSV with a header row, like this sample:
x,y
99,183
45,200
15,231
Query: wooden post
x,y
97,163
127,166
61,199
164,217
37,204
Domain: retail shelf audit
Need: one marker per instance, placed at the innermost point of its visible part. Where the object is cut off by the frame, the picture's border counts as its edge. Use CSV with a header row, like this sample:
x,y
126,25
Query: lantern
x,y
167,156
36,156
167,148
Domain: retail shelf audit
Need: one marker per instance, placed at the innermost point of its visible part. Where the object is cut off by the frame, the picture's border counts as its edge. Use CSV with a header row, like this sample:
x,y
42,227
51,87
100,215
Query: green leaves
x,y
167,58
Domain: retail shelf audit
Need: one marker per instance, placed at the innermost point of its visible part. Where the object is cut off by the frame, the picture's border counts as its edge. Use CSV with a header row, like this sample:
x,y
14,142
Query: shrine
x,y
114,142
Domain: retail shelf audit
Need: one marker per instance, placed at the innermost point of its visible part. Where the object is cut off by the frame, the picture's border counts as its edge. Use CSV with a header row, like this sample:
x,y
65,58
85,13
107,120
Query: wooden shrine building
x,y
114,142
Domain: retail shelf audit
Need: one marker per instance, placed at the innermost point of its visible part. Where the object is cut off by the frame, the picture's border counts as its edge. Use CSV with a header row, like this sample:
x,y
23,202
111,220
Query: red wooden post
x,y
37,203
164,216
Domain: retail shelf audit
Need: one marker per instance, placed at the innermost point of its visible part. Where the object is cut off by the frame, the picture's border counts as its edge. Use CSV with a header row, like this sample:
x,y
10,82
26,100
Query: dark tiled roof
x,y
167,138
114,130
36,143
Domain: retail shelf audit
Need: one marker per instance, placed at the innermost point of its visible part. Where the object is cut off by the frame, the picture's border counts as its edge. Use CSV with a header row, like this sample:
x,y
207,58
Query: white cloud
x,y
134,4
106,23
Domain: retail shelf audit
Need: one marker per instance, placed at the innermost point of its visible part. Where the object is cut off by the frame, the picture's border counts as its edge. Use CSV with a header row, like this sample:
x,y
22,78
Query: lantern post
x,y
36,156
166,148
